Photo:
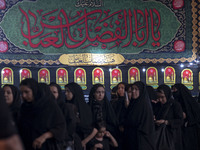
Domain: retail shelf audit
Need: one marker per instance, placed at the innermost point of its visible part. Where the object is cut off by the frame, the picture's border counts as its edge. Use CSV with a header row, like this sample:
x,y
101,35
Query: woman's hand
x,y
99,145
184,115
159,122
37,143
126,103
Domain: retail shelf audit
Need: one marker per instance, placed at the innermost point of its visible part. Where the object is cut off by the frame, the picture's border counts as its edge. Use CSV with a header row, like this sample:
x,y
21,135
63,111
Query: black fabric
x,y
16,104
120,109
191,126
188,103
84,112
7,127
40,116
104,142
172,112
139,124
102,110
164,138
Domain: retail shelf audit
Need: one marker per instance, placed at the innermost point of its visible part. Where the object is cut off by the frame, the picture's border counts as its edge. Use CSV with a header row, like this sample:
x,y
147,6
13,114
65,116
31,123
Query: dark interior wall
x,y
124,69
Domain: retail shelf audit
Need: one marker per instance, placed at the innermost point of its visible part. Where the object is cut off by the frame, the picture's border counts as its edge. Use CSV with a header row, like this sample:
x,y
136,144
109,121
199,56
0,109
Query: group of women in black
x,y
48,120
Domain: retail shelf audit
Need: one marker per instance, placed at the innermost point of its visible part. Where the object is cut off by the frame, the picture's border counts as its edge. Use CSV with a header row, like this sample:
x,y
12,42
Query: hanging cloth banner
x,y
44,31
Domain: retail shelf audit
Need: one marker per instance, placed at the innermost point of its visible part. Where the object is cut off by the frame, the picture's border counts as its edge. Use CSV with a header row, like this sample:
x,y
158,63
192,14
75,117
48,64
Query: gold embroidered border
x,y
29,61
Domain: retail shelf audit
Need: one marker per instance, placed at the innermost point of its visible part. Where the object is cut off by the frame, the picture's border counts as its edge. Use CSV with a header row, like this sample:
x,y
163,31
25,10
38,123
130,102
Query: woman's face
x,y
8,95
161,97
174,89
54,91
121,89
68,94
135,92
26,93
129,93
99,93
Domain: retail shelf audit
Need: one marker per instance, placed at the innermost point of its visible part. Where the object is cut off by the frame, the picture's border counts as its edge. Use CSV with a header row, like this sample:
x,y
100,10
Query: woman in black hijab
x,y
102,109
170,114
9,138
139,123
74,95
191,114
12,97
41,125
153,98
68,112
119,104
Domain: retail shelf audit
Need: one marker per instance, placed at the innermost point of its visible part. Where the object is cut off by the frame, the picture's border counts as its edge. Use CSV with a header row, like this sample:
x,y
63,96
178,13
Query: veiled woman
x,y
74,95
119,104
102,109
170,113
41,124
9,138
139,123
68,112
153,98
12,97
191,114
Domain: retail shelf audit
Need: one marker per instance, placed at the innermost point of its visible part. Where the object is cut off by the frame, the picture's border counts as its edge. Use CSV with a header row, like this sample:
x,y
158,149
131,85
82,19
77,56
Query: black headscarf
x,y
152,93
152,96
188,103
108,112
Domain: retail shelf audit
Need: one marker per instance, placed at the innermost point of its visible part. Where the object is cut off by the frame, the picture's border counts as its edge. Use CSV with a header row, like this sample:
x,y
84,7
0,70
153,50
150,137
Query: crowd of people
x,y
40,117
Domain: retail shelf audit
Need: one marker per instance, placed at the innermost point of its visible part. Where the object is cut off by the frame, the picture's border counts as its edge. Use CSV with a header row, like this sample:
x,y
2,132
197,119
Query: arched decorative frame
x,y
97,76
7,76
152,77
24,73
187,78
115,77
169,75
133,75
62,77
44,76
80,77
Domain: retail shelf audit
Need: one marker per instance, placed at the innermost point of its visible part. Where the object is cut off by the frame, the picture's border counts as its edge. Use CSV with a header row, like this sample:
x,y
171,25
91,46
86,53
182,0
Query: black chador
x,y
139,123
40,116
191,109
